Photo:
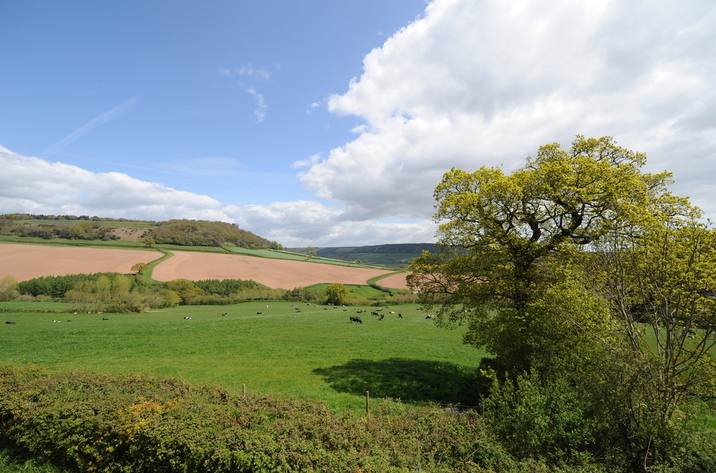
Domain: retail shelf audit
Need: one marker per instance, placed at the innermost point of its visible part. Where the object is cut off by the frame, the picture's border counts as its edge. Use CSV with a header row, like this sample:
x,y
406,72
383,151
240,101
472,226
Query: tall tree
x,y
582,266
501,235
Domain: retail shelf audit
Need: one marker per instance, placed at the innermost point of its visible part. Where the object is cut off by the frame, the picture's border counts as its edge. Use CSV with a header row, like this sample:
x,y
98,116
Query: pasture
x,y
315,353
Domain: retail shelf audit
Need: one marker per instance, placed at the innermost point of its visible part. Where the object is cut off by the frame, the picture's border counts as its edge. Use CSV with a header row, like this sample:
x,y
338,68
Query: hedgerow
x,y
141,423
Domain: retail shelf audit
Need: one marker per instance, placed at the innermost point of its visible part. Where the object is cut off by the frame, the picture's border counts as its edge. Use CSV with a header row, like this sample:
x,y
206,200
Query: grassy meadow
x,y
315,353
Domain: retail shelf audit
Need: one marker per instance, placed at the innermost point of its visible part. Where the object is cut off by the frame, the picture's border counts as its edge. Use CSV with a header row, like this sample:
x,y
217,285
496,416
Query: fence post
x,y
243,389
367,403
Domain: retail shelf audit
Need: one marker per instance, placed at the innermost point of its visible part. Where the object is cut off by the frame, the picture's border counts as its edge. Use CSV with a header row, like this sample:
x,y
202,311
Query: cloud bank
x,y
485,83
470,83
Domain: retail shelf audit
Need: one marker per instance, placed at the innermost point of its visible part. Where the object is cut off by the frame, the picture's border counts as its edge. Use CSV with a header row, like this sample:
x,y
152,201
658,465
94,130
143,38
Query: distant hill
x,y
397,255
175,232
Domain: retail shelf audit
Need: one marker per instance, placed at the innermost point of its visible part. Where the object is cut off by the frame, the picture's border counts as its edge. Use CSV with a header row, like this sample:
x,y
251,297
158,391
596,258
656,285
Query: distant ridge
x,y
395,254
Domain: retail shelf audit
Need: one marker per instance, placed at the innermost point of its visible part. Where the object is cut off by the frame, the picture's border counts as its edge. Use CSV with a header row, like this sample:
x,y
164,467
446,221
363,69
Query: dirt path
x,y
274,273
32,261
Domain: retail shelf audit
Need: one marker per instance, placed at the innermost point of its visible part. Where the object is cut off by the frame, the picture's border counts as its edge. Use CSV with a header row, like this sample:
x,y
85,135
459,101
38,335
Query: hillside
x,y
395,255
175,232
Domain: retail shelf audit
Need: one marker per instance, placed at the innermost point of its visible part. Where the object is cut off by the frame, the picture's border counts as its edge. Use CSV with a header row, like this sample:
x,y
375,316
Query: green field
x,y
316,353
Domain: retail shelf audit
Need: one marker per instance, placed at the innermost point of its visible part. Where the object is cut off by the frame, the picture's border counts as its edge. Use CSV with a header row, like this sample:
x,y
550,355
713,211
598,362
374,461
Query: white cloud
x,y
260,111
34,185
486,83
248,71
313,159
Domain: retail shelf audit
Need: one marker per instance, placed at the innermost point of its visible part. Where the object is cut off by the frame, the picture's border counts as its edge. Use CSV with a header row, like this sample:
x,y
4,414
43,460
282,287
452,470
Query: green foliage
x,y
184,288
147,424
543,421
555,268
301,294
57,286
205,233
8,288
336,294
226,287
140,267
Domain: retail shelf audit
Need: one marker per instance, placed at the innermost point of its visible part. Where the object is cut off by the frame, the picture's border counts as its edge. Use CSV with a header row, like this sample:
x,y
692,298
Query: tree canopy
x,y
581,266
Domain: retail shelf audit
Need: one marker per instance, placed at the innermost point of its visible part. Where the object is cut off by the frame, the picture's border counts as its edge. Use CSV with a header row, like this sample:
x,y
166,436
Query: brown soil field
x,y
274,273
396,281
32,261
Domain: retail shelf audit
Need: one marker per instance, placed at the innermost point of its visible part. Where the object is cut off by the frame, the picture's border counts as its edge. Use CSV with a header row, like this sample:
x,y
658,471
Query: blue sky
x,y
329,123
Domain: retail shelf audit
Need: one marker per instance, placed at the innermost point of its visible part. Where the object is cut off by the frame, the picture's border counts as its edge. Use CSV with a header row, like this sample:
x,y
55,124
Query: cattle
x,y
381,317
391,312
187,318
430,317
224,314
356,319
258,313
374,313
105,318
400,316
11,323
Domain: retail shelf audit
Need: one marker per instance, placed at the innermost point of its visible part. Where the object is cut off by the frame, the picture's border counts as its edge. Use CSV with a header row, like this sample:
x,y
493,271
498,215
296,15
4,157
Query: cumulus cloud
x,y
34,185
485,83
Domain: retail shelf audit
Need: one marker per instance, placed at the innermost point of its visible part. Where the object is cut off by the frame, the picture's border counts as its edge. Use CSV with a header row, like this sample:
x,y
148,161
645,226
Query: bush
x,y
142,423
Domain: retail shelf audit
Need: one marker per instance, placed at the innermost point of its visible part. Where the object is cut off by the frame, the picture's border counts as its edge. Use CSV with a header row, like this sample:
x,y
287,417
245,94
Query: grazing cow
x,y
11,323
400,316
224,314
430,317
258,313
381,317
391,312
356,319
105,318
374,313
69,321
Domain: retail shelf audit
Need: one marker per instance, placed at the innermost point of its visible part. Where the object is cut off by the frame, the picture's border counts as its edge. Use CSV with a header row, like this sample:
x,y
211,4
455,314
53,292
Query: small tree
x,y
149,242
140,267
336,294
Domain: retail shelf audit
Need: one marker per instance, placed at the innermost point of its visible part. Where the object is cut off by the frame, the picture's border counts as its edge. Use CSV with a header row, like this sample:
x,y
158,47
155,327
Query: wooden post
x,y
367,403
243,388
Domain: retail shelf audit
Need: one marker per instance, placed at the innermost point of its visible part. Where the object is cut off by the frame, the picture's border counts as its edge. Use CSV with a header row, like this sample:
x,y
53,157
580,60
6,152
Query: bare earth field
x,y
32,261
274,273
396,281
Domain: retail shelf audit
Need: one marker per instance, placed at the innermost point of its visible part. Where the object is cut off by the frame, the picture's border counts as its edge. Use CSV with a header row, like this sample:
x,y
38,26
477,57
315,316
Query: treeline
x,y
114,292
141,423
205,233
173,232
82,231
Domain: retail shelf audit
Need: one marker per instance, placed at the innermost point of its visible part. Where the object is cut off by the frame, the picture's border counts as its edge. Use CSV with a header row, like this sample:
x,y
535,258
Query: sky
x,y
328,123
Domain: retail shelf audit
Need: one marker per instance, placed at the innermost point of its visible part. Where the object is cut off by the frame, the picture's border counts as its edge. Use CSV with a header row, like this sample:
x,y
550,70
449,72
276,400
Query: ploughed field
x,y
273,347
275,273
30,261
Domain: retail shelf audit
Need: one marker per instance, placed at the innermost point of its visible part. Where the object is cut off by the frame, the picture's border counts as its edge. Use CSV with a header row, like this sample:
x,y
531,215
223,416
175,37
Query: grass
x,y
13,306
290,255
316,353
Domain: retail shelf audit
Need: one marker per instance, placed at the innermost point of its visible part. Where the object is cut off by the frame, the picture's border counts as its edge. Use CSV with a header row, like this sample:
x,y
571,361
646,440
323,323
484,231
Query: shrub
x,y
142,423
